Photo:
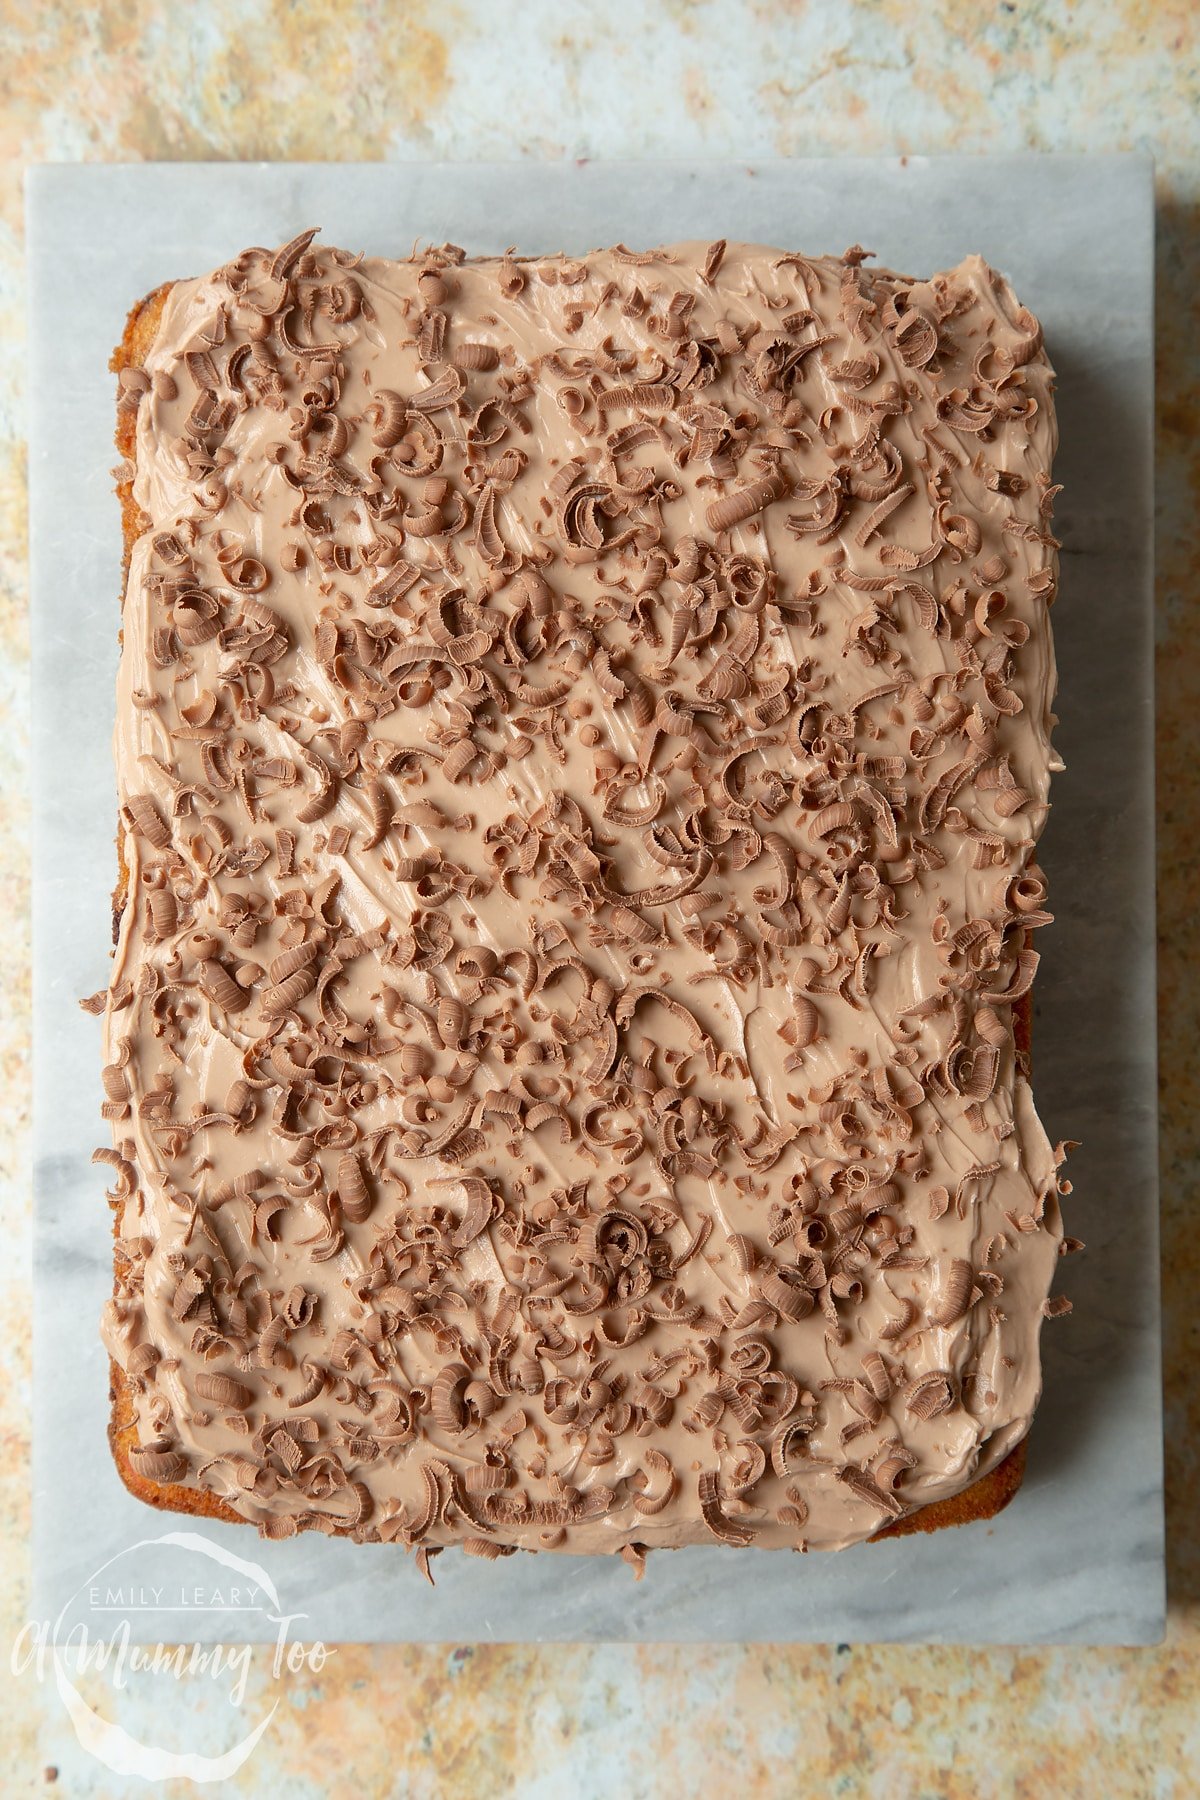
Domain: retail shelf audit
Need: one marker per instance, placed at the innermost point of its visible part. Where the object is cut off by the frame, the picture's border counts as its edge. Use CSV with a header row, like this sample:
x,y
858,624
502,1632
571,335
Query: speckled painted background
x,y
552,78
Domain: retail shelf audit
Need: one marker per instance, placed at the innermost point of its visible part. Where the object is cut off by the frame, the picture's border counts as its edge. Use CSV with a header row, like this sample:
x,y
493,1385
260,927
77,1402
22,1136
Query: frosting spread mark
x,y
582,739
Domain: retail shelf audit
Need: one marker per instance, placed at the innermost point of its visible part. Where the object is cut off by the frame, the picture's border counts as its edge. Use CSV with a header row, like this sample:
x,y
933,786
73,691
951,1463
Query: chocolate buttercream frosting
x,y
583,732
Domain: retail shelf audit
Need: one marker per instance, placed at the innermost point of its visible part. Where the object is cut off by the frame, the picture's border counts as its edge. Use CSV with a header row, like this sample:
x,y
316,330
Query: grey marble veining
x,y
1078,1557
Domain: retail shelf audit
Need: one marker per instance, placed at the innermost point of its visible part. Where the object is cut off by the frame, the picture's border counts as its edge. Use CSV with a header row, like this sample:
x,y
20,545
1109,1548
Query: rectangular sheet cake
x,y
583,732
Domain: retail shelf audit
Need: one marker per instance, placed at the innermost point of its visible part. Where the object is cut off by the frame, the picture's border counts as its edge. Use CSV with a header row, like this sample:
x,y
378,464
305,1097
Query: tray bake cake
x,y
583,732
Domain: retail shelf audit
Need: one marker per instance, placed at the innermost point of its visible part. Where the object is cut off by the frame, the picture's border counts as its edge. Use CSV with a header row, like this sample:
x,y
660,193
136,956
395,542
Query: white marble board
x,y
1078,1557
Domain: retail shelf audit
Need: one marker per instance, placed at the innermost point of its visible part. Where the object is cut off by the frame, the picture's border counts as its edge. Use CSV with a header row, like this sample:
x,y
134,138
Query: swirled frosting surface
x,y
582,736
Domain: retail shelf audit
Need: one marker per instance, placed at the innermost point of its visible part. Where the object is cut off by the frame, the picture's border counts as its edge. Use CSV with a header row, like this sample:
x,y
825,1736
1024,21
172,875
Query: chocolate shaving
x,y
722,1528
736,508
